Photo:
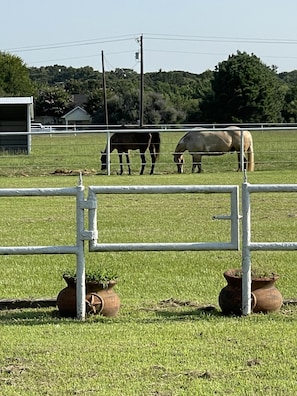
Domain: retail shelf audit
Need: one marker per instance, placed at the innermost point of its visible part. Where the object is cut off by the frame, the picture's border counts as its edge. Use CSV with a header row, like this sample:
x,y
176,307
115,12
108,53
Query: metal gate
x,y
233,244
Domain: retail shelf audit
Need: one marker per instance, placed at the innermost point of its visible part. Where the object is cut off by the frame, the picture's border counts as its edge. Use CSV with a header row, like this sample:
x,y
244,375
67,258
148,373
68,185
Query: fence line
x,y
91,235
79,149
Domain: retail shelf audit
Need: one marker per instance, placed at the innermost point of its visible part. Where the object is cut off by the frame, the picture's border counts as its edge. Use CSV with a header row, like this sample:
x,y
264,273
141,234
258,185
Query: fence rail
x,y
91,235
233,244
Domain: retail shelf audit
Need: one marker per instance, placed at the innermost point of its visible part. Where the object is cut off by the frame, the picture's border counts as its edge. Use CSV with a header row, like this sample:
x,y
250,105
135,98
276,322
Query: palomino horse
x,y
125,141
201,142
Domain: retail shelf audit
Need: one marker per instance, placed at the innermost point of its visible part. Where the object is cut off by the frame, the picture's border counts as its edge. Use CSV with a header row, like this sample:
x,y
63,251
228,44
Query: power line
x,y
152,36
70,44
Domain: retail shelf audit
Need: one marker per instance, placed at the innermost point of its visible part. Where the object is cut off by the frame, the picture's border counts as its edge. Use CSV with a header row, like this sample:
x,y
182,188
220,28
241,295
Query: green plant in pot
x,y
100,295
265,296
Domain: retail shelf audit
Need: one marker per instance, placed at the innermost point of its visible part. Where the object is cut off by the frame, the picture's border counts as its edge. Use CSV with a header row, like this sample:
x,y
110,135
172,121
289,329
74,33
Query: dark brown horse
x,y
125,141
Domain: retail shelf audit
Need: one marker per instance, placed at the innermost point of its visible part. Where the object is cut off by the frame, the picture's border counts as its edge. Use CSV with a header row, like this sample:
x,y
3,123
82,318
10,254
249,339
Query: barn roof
x,y
16,100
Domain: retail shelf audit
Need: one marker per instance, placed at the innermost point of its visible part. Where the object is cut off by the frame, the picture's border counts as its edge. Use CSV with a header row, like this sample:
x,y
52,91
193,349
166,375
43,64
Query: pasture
x,y
169,337
67,154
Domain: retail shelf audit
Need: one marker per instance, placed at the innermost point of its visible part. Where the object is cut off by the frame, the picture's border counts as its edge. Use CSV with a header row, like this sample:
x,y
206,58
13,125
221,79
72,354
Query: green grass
x,y
169,337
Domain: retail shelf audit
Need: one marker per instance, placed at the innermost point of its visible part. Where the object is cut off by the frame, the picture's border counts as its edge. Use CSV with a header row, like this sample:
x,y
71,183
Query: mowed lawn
x,y
170,337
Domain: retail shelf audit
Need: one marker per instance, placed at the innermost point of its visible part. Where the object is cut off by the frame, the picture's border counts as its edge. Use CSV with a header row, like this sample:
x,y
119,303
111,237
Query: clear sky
x,y
189,35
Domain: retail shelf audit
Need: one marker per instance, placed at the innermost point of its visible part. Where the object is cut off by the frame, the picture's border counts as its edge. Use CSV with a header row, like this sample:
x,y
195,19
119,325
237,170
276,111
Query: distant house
x,y
77,116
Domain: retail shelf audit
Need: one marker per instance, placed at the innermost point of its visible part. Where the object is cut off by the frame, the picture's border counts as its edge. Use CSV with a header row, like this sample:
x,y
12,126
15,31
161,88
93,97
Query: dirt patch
x,y
74,172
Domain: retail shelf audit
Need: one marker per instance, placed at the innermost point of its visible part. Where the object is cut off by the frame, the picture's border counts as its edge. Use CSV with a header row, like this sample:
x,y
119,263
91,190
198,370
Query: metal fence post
x,y
80,257
246,254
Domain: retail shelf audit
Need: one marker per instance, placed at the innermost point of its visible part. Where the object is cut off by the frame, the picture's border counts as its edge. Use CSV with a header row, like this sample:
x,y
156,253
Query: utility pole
x,y
106,115
141,83
104,90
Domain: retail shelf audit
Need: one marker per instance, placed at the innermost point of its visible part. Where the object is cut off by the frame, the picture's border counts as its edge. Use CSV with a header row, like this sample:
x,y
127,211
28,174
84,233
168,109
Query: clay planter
x,y
265,296
100,298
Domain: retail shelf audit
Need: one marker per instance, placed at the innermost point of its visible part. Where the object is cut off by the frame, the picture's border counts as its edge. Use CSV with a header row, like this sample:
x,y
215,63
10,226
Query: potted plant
x,y
100,295
265,296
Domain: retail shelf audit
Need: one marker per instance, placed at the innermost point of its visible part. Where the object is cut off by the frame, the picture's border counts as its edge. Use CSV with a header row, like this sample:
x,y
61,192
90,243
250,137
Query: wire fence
x,y
78,149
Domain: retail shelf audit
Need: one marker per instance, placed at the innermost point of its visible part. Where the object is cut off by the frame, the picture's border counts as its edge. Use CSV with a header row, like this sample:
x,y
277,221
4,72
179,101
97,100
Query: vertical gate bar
x,y
80,257
246,254
235,217
92,218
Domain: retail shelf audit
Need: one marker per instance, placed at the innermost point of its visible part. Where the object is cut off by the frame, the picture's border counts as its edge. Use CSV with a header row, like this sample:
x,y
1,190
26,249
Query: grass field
x,y
169,337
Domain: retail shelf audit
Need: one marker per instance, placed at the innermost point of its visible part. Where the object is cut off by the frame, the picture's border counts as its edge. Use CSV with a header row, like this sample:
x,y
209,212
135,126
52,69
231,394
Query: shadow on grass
x,y
34,317
167,310
173,309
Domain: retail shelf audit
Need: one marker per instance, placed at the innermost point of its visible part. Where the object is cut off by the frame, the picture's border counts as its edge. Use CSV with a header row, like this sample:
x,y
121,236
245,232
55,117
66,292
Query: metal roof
x,y
16,100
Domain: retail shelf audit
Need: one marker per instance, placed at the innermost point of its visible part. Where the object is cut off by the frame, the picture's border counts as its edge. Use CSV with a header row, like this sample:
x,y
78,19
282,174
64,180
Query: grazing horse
x,y
199,142
125,141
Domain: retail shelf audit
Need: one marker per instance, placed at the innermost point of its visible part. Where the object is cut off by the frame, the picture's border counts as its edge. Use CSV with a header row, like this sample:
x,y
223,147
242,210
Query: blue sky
x,y
189,35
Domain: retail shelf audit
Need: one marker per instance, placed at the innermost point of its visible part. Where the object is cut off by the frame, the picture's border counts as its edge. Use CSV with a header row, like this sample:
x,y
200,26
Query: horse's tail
x,y
156,142
250,155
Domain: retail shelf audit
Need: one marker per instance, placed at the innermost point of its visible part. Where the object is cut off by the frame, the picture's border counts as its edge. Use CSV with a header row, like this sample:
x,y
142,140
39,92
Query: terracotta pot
x,y
100,299
265,296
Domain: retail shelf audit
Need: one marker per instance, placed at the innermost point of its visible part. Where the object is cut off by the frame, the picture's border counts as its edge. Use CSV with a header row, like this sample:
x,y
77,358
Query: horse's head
x,y
103,160
179,160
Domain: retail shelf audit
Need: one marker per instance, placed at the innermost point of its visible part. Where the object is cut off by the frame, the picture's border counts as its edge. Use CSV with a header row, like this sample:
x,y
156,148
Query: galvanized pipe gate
x,y
91,234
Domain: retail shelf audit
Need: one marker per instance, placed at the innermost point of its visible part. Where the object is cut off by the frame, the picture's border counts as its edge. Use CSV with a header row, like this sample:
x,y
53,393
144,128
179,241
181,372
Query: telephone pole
x,y
104,90
141,83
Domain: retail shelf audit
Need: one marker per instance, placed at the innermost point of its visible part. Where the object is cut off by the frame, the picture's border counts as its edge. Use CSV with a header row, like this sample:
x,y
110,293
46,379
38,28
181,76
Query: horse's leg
x,y
128,163
153,157
121,163
143,161
197,163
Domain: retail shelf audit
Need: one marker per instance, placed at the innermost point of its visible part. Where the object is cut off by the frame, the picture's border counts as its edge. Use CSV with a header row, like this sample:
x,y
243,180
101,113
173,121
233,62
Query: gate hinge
x,y
87,235
88,204
224,217
221,217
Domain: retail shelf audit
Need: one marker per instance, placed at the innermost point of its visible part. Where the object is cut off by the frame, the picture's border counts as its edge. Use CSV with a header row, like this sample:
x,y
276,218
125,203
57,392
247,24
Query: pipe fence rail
x,y
233,244
90,205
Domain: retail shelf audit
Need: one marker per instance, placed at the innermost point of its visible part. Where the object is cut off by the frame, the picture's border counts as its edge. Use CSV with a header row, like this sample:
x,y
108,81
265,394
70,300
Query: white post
x,y
246,254
28,123
80,258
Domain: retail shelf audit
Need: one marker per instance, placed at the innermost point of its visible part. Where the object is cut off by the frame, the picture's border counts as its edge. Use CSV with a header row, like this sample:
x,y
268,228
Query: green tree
x,y
159,110
289,111
14,76
244,90
52,101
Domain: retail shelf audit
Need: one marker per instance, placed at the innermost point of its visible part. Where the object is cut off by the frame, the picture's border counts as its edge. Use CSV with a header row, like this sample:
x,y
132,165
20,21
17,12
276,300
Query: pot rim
x,y
236,274
72,279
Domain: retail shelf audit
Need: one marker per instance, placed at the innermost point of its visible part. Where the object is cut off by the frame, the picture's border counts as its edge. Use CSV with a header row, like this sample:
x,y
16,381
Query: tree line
x,y
241,89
